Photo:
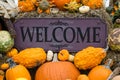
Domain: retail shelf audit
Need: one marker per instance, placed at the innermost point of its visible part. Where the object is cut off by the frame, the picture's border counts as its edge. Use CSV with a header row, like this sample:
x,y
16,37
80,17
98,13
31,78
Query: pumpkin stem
x,y
55,59
11,62
108,63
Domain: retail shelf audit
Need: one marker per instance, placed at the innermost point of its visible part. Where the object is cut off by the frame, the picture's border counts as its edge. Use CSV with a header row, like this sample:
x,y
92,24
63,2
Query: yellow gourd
x,y
30,57
89,57
63,55
12,52
4,66
82,77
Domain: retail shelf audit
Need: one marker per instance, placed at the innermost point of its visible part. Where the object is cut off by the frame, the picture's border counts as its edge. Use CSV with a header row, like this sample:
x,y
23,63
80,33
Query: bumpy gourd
x,y
6,41
63,55
93,4
12,52
26,5
89,57
30,57
4,66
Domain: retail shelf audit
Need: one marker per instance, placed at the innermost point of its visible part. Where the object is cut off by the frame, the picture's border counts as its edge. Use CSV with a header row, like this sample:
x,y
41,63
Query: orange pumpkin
x,y
63,55
57,70
17,71
100,72
60,3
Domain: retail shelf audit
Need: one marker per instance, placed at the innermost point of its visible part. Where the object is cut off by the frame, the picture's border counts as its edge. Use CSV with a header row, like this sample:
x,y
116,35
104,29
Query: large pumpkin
x,y
61,70
17,71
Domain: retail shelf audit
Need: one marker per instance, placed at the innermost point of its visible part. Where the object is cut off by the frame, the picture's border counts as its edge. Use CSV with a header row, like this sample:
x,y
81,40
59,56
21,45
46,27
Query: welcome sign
x,y
54,34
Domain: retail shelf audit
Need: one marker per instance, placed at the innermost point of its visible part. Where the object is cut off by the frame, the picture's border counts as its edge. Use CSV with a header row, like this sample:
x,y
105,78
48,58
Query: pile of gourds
x,y
55,66
64,5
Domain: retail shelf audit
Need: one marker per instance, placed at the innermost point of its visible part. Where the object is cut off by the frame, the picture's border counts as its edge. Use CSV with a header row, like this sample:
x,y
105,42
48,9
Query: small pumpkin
x,y
57,70
84,9
30,57
63,55
16,71
82,77
60,3
4,66
100,72
2,73
93,4
89,57
12,52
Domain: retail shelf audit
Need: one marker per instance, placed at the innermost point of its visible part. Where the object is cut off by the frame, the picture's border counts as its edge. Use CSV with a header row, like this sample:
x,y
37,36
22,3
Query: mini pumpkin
x,y
4,66
89,57
63,55
57,70
12,52
84,9
100,72
93,4
16,71
30,57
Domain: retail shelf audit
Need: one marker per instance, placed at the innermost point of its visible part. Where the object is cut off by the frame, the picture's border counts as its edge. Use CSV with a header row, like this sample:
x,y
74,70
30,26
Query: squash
x,y
93,4
6,41
12,52
49,55
84,9
57,70
4,66
16,71
63,55
71,58
30,57
60,3
82,77
89,57
2,73
117,77
26,5
100,72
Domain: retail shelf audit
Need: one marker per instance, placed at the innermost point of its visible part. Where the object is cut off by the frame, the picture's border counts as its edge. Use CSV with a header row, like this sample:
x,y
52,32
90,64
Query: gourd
x,y
93,4
89,57
63,55
101,72
114,39
12,52
84,9
6,41
60,3
57,70
49,55
4,66
82,77
117,77
26,5
30,57
2,73
16,71
71,58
